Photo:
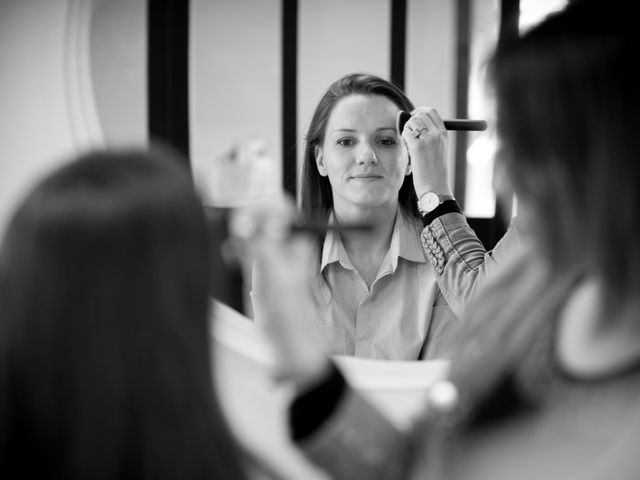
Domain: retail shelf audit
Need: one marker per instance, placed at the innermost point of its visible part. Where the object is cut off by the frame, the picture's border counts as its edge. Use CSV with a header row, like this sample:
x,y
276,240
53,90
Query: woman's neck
x,y
381,219
367,249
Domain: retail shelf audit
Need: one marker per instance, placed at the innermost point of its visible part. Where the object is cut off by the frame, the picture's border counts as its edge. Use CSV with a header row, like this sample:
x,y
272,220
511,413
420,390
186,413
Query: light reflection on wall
x,y
234,90
480,200
533,12
480,196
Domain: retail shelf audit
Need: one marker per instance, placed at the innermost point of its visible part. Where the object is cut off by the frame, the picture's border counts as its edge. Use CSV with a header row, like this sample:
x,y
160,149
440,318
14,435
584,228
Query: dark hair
x,y
568,100
316,199
104,341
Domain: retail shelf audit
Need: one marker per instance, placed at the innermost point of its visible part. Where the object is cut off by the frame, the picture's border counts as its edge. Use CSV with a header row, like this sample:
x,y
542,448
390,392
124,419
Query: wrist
x,y
448,206
311,408
437,188
302,368
430,180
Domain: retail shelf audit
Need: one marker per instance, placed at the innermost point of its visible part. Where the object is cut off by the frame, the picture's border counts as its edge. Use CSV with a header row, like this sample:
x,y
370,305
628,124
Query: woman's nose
x,y
366,155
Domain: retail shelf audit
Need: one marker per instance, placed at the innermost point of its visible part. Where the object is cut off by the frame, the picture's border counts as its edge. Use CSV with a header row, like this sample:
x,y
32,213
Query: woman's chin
x,y
373,201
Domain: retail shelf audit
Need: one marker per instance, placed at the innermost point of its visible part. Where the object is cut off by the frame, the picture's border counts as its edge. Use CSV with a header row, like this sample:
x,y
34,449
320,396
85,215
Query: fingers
x,y
425,119
433,116
286,307
426,139
283,265
287,263
266,218
265,231
424,129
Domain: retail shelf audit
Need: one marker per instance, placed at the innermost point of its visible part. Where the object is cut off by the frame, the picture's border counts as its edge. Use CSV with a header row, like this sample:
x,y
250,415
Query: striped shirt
x,y
392,319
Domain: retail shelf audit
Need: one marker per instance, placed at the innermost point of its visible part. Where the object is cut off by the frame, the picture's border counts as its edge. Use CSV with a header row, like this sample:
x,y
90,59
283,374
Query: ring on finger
x,y
416,132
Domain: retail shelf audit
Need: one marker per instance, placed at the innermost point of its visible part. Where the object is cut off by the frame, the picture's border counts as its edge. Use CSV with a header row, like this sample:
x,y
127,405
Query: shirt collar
x,y
333,249
405,243
408,231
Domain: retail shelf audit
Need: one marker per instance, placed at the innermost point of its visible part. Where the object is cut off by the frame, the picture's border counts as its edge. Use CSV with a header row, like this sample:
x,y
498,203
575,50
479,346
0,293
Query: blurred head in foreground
x,y
104,346
568,101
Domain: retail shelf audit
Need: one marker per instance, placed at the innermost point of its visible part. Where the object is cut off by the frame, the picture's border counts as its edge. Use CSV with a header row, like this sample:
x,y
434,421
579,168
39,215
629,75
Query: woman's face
x,y
362,155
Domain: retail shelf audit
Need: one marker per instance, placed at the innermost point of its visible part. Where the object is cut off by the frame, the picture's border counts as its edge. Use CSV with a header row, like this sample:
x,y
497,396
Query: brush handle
x,y
456,124
465,125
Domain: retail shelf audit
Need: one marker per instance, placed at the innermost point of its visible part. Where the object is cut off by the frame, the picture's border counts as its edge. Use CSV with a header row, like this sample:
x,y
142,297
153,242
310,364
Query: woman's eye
x,y
387,141
345,142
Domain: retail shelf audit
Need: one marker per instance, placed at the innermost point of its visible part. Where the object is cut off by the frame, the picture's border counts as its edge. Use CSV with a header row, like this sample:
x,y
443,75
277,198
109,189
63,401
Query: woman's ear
x,y
322,169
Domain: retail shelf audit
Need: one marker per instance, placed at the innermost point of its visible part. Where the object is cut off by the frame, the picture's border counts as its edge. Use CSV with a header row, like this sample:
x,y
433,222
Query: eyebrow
x,y
352,130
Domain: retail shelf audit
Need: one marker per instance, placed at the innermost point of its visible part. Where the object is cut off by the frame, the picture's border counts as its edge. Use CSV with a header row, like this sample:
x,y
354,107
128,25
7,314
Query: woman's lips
x,y
366,176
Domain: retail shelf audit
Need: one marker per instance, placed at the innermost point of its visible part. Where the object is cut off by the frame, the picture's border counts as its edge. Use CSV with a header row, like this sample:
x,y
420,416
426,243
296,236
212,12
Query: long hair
x,y
104,346
316,198
568,100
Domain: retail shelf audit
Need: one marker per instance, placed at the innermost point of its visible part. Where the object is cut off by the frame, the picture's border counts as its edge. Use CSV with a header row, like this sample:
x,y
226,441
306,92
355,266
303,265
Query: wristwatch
x,y
429,201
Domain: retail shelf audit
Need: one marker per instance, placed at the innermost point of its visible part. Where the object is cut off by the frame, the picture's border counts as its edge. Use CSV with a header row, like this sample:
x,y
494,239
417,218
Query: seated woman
x,y
377,291
104,341
546,382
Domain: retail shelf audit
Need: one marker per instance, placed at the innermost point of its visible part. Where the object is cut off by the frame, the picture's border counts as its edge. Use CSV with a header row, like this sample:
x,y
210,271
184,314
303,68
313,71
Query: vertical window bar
x,y
463,47
508,31
168,71
398,41
289,95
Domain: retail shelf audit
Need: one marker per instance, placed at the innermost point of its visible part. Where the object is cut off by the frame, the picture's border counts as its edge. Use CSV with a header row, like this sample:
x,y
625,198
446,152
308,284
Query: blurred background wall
x,y
71,77
76,73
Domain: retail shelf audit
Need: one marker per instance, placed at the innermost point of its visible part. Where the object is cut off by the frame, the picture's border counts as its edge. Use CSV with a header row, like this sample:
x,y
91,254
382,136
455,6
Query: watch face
x,y
428,202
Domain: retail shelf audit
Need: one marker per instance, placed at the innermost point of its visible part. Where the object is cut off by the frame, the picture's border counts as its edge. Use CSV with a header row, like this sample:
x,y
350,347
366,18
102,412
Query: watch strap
x,y
448,206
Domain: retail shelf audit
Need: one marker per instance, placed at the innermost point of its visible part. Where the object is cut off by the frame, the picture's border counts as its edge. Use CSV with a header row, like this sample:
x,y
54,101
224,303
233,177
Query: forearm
x,y
342,432
461,262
